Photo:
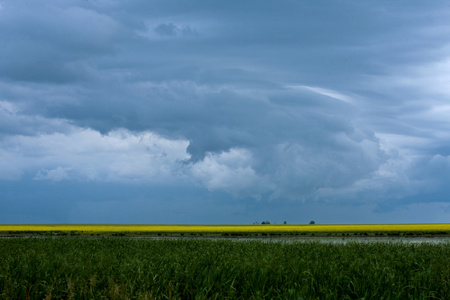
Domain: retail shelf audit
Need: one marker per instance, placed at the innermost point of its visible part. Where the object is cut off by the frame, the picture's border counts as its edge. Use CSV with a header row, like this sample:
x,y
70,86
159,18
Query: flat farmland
x,y
232,230
130,268
107,262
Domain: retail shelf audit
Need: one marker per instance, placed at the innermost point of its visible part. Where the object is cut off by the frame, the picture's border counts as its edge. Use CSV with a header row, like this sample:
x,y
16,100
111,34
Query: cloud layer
x,y
260,106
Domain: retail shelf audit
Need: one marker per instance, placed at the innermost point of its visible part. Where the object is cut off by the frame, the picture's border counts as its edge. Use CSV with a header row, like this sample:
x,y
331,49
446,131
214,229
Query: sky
x,y
224,112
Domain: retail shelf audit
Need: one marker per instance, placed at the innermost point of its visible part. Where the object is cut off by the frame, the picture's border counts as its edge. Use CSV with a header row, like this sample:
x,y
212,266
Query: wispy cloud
x,y
322,91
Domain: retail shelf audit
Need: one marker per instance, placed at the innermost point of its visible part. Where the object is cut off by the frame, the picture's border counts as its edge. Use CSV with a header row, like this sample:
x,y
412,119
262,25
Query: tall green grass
x,y
122,268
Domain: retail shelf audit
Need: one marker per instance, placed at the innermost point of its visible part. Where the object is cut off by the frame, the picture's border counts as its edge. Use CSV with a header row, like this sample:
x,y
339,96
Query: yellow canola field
x,y
229,228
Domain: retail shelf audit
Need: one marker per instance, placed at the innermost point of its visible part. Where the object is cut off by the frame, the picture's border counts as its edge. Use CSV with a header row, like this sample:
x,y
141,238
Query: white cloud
x,y
322,91
169,29
8,107
230,171
432,79
410,169
57,174
120,155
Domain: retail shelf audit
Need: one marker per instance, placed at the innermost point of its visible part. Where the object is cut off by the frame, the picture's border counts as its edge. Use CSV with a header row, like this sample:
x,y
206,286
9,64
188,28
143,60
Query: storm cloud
x,y
224,112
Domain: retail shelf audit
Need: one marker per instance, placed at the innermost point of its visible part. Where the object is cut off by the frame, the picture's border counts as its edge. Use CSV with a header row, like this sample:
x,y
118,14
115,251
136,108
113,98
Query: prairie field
x,y
375,229
89,261
129,268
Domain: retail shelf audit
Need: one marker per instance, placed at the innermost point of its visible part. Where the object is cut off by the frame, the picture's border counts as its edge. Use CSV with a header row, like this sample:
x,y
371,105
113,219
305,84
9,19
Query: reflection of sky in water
x,y
331,240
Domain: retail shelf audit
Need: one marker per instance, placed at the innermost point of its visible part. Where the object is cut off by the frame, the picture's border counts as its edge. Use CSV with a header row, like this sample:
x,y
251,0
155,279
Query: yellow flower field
x,y
229,228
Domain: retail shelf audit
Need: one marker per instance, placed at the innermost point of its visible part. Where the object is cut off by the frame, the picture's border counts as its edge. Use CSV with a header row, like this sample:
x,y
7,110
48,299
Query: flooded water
x,y
364,240
331,240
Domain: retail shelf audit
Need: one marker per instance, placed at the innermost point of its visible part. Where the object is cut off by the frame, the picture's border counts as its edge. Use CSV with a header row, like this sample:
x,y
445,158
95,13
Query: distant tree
x,y
285,222
312,222
265,222
256,223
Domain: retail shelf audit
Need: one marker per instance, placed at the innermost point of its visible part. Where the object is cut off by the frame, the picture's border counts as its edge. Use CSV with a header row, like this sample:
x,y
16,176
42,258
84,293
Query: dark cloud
x,y
50,42
166,29
171,30
257,100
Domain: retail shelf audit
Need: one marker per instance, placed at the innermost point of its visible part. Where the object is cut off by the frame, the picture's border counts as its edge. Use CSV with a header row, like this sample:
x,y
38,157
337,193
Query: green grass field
x,y
113,268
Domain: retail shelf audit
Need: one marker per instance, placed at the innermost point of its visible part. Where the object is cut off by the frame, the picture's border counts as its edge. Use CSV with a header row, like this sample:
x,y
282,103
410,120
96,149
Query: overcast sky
x,y
224,112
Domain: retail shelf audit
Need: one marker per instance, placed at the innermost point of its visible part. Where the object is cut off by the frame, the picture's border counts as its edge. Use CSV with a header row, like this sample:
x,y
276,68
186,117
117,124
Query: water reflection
x,y
331,240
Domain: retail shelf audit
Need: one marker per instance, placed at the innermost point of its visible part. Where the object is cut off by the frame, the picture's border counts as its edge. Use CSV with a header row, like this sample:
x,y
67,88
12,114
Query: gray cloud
x,y
51,42
300,102
171,30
